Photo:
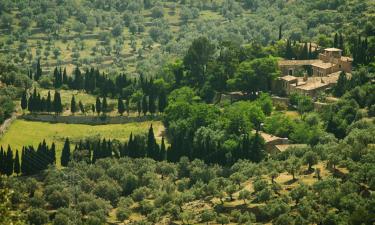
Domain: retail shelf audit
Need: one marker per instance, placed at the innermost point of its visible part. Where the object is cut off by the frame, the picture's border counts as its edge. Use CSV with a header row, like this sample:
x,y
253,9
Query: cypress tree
x,y
98,105
139,107
104,105
93,108
65,77
151,142
23,164
30,104
49,103
336,41
81,107
280,32
2,161
162,103
43,107
163,152
120,106
289,50
17,167
9,161
144,105
257,146
73,105
38,72
341,86
38,103
127,106
65,154
57,106
78,79
341,44
56,78
53,154
24,100
151,104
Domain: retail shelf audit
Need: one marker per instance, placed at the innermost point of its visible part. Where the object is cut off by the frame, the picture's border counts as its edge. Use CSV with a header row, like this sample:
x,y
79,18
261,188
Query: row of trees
x,y
294,50
7,163
36,103
31,160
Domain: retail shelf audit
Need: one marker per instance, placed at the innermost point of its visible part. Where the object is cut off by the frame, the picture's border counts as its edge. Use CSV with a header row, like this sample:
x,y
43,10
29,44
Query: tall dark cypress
x,y
9,161
81,107
336,41
151,144
127,106
57,105
49,102
24,100
341,44
280,32
105,105
289,51
162,103
38,72
144,105
52,154
304,53
78,79
98,105
65,77
120,106
257,148
56,78
151,104
65,154
2,161
73,105
163,150
23,164
17,167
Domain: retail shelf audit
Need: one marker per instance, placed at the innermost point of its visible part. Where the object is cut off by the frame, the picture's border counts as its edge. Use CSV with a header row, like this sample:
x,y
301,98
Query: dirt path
x,y
6,124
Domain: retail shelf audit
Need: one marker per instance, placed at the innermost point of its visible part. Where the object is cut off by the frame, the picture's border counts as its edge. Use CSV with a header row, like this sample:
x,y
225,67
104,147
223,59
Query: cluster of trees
x,y
163,191
31,160
203,131
7,163
148,95
36,160
36,103
138,146
362,52
299,51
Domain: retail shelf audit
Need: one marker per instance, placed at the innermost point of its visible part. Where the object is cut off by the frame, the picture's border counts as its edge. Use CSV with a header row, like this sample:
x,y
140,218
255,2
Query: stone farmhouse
x,y
324,73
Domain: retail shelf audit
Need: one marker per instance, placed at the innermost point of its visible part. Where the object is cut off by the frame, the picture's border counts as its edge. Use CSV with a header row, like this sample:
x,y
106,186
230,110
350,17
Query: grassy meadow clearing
x,y
24,133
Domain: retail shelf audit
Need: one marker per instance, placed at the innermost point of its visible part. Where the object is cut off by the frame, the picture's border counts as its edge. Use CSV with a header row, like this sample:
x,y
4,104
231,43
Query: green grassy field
x,y
24,133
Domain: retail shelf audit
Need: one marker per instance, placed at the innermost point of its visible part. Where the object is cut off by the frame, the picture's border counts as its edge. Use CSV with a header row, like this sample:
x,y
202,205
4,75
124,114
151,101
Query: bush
x,y
6,108
122,214
46,82
37,217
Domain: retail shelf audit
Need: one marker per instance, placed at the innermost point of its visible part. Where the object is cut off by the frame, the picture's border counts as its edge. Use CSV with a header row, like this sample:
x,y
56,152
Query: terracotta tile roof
x,y
333,50
347,59
288,78
297,62
283,148
323,65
